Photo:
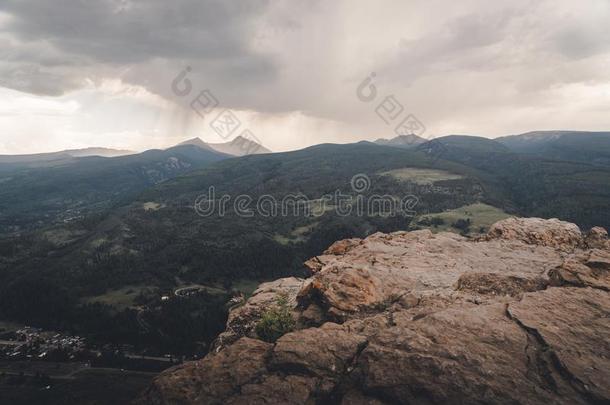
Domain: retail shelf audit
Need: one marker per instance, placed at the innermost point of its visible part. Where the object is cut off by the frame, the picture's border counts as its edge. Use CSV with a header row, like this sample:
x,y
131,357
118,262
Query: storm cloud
x,y
292,67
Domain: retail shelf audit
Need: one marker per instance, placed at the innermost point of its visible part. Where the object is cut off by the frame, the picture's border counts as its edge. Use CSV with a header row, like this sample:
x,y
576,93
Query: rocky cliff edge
x,y
521,315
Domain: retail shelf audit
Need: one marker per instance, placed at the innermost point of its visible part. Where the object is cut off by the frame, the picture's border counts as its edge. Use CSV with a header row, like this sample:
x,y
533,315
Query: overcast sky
x,y
76,73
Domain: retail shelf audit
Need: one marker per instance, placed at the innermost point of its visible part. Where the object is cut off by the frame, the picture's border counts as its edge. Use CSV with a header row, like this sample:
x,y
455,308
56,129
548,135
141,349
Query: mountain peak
x,y
196,142
402,141
239,146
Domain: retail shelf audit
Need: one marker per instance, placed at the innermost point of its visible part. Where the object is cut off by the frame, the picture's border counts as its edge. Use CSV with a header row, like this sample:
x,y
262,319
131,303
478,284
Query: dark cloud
x,y
579,42
446,60
125,33
472,42
35,79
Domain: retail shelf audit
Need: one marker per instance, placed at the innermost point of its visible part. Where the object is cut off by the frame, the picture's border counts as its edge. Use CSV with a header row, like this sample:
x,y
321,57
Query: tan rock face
x,y
518,316
453,356
584,269
325,352
499,284
243,319
578,338
597,238
536,231
211,381
383,267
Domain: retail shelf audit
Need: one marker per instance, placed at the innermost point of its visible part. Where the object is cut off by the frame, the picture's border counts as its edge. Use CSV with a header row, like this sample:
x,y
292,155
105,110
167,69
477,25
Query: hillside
x,y
158,242
163,238
577,146
468,145
103,152
32,160
468,321
536,185
71,188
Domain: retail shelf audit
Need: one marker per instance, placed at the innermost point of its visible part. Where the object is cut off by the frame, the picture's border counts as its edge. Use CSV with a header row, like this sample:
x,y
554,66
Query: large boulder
x,y
327,351
597,238
220,376
477,355
381,268
536,231
518,316
584,269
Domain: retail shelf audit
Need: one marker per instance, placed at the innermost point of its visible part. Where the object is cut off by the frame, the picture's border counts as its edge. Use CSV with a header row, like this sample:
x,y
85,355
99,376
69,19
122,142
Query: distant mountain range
x,y
239,146
14,163
576,146
103,152
46,191
46,157
402,141
590,147
91,225
582,146
41,189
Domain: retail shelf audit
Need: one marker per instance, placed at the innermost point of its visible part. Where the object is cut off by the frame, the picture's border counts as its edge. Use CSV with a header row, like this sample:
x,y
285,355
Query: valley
x,y
470,220
136,266
421,176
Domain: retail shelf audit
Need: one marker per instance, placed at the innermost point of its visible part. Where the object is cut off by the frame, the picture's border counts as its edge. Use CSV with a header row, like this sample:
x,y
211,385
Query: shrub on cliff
x,y
275,322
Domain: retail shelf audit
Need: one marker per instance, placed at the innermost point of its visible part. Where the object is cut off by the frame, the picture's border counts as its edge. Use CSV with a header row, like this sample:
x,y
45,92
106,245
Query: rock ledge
x,y
521,315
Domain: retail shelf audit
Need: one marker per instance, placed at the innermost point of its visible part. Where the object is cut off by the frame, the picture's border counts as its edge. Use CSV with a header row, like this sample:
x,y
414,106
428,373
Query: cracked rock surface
x,y
521,315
